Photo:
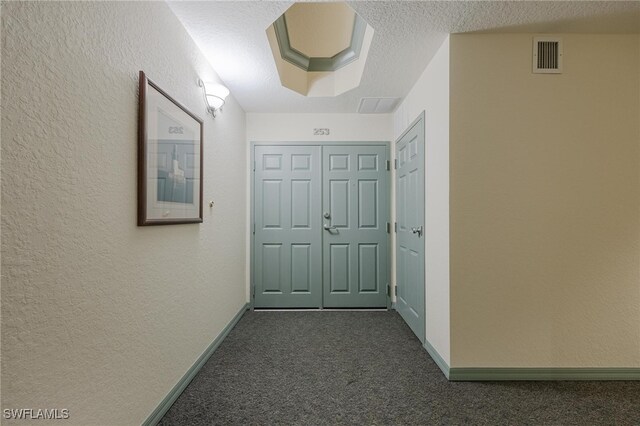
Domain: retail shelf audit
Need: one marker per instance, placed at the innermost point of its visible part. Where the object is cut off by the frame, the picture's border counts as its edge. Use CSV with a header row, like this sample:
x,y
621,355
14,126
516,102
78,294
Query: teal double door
x,y
321,223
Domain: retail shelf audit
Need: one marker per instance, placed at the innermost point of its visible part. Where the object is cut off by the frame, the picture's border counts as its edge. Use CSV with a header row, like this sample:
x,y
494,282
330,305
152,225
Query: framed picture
x,y
169,159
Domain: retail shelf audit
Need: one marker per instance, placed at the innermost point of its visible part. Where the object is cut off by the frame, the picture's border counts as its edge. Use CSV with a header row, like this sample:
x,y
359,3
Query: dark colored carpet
x,y
308,368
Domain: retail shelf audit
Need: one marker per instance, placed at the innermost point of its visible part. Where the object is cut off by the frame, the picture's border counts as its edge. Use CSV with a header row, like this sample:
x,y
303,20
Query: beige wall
x,y
100,316
431,95
545,203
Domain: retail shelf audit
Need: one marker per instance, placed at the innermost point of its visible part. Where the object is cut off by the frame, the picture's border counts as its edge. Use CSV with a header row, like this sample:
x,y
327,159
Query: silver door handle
x,y
417,230
330,228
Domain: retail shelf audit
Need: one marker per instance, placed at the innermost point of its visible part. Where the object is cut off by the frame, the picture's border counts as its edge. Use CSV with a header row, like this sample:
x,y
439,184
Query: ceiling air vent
x,y
377,105
547,55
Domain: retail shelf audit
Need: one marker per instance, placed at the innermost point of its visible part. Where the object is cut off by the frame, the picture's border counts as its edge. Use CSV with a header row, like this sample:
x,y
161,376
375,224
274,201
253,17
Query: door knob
x,y
417,230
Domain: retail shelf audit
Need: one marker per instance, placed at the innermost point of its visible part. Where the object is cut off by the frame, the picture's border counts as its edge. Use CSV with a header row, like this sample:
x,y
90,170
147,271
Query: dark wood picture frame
x,y
159,210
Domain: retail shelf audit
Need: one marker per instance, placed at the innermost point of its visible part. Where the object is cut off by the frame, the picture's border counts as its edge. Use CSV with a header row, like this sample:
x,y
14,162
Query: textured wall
x,y
431,94
99,316
545,203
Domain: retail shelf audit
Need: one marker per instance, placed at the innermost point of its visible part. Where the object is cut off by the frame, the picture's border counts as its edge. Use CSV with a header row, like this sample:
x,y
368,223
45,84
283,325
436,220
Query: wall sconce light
x,y
214,95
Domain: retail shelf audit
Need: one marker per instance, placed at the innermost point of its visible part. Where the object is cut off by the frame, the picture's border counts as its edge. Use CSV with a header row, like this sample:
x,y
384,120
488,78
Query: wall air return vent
x,y
547,55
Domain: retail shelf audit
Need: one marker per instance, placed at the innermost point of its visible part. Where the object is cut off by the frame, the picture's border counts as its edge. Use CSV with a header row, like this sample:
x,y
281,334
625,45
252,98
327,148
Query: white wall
x,y
100,316
545,203
431,94
299,127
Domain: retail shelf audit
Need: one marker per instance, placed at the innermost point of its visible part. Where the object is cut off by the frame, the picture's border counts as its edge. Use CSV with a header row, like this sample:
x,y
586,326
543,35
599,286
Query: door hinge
x,y
395,291
395,227
254,166
388,290
254,229
253,292
388,165
388,228
395,164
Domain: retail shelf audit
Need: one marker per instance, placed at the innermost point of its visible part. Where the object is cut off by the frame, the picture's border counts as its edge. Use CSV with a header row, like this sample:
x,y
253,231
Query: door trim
x,y
251,225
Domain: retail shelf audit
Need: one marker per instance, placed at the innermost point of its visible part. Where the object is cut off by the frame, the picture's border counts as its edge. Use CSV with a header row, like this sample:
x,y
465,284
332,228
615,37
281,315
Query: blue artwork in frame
x,y
169,159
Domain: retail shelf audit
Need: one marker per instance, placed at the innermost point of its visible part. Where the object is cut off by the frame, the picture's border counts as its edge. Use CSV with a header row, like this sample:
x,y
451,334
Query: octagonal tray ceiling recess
x,y
320,49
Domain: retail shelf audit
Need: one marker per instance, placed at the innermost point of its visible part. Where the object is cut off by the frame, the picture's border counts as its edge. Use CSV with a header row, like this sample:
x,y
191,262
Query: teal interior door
x,y
355,214
288,227
410,302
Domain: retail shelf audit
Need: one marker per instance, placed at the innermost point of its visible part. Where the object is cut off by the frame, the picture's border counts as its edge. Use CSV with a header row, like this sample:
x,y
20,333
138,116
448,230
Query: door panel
x,y
288,227
368,262
300,268
300,203
339,202
355,246
410,282
339,267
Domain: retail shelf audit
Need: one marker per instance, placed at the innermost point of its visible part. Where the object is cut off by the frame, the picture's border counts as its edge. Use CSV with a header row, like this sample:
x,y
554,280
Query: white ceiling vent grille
x,y
547,55
377,105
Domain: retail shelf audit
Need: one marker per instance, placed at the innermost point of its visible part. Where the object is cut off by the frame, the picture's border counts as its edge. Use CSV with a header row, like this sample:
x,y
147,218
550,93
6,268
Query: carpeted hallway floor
x,y
308,368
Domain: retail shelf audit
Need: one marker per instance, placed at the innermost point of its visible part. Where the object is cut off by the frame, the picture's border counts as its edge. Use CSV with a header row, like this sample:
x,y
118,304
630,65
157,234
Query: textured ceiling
x,y
407,35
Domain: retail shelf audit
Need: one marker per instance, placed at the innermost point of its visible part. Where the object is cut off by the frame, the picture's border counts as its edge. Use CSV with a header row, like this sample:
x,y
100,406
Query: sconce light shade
x,y
215,102
215,95
217,90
